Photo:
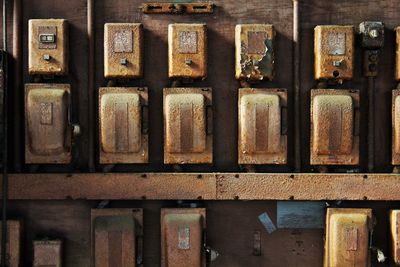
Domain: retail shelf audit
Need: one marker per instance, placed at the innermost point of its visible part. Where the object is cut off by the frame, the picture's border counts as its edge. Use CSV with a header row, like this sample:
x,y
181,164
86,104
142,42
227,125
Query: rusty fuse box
x,y
254,52
187,51
347,237
262,126
395,235
123,125
187,125
123,50
397,74
182,232
396,127
116,237
47,127
335,122
47,253
14,238
334,52
48,47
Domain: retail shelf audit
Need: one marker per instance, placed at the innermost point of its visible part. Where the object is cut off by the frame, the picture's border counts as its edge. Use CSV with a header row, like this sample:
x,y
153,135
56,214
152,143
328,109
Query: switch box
x,y
48,47
396,127
334,138
254,45
182,233
334,52
123,50
47,127
117,237
123,125
262,126
347,237
14,239
47,253
187,51
187,125
395,235
397,74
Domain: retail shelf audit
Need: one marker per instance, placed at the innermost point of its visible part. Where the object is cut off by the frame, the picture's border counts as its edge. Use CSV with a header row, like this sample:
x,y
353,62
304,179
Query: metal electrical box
x,y
334,52
14,239
347,236
123,50
335,122
262,126
187,125
254,44
123,125
397,69
182,232
117,237
396,127
47,126
395,235
187,51
48,47
47,253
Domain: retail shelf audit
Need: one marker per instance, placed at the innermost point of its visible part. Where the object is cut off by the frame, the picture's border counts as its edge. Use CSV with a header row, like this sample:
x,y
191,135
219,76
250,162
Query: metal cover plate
x,y
14,246
47,36
396,127
47,253
395,235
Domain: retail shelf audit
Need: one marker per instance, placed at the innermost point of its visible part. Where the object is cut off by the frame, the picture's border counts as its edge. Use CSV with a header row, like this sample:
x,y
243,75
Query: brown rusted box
x,y
47,128
397,74
261,124
254,52
396,127
47,253
115,237
14,238
187,125
187,51
335,122
123,125
334,52
347,237
123,50
48,47
182,237
395,235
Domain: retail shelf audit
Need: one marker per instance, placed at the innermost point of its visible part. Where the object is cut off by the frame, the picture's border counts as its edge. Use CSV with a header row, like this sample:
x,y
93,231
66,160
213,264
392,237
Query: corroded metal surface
x,y
122,125
397,74
123,50
334,52
48,46
47,129
261,121
187,51
186,120
182,237
177,8
395,235
14,239
334,136
254,52
115,234
47,253
347,237
396,127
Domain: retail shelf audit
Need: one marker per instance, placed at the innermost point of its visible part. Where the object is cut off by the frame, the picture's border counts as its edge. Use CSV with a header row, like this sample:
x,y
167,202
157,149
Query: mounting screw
x,y
373,33
46,57
123,62
188,61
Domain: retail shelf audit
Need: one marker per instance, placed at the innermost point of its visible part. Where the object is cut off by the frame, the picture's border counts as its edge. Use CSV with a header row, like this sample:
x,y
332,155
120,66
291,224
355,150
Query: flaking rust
x,y
254,52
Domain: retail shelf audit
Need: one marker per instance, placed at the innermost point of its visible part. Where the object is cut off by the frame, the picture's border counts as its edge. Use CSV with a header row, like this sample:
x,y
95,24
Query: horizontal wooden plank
x,y
207,186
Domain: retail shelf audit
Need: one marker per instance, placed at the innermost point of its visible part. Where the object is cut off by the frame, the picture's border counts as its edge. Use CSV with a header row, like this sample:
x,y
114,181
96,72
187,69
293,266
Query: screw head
x,y
46,57
373,33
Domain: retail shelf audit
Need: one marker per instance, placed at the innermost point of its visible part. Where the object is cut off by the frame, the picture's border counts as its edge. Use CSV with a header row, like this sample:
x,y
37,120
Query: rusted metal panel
x,y
47,129
395,235
262,137
396,127
334,52
14,239
123,126
397,74
182,237
47,253
334,127
123,50
177,8
254,51
48,46
116,235
187,51
186,133
347,237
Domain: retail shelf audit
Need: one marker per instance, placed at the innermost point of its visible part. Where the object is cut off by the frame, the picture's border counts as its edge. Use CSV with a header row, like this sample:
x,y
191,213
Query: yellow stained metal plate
x,y
395,235
396,127
48,47
187,51
260,126
123,50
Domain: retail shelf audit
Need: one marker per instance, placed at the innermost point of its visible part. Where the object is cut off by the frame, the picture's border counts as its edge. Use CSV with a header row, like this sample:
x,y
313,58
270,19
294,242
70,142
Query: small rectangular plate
x,y
395,235
14,246
47,253
396,127
300,214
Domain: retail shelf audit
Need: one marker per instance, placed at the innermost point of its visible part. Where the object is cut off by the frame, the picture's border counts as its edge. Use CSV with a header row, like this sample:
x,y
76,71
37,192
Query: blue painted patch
x,y
300,214
266,221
